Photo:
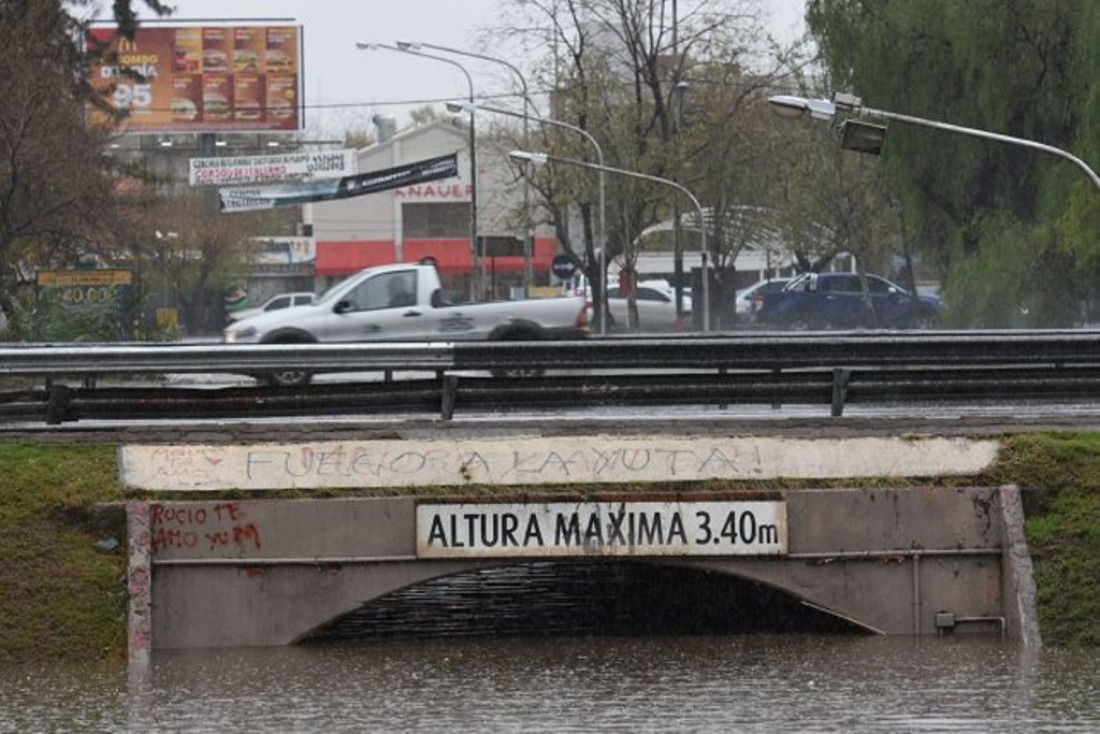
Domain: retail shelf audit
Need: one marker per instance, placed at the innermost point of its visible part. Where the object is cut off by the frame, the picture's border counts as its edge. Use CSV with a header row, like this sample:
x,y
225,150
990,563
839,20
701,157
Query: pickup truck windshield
x,y
330,292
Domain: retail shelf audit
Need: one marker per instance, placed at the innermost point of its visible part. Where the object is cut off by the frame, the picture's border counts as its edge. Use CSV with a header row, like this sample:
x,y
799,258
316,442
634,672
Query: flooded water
x,y
738,683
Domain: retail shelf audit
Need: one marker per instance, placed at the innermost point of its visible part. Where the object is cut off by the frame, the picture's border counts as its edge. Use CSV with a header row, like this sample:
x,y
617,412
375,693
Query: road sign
x,y
562,267
269,168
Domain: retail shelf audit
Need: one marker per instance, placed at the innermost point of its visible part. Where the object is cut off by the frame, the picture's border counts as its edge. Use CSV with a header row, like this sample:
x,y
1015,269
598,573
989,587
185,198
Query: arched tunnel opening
x,y
581,598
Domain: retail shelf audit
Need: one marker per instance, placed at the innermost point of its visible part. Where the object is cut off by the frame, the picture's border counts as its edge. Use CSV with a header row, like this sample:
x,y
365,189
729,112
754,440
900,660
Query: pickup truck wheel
x,y
287,378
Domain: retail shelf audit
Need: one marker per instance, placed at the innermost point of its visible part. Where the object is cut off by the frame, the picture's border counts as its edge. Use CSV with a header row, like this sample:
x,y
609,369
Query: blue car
x,y
838,301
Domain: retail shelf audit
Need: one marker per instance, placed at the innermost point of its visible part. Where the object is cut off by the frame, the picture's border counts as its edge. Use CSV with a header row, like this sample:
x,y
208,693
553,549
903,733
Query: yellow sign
x,y
68,278
167,318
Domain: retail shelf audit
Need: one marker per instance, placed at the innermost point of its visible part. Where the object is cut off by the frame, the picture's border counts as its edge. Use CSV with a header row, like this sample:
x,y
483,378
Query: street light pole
x,y
824,109
539,158
475,261
601,236
528,227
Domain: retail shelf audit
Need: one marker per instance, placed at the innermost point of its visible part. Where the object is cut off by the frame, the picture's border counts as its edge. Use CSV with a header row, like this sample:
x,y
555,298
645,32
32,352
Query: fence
x,y
834,369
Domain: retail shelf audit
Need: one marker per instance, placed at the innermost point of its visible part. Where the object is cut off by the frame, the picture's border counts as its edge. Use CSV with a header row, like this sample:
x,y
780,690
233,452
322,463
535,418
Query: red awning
x,y
541,254
451,255
347,257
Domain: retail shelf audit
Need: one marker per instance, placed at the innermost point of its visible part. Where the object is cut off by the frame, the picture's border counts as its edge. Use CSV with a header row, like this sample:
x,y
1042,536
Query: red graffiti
x,y
240,535
178,515
164,538
188,525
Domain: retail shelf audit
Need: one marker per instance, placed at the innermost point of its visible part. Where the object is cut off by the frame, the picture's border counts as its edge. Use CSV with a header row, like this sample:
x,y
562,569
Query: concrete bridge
x,y
908,559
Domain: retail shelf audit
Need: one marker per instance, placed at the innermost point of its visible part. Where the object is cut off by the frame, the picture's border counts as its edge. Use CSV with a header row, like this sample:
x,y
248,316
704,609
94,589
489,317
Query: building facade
x,y
433,219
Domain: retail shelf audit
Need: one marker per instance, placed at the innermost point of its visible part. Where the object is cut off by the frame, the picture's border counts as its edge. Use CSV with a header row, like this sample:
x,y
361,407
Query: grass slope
x,y
59,595
1060,476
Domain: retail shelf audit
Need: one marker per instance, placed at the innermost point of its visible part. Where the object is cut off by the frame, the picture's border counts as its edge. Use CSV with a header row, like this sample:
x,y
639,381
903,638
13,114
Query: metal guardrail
x,y
748,350
834,368
133,359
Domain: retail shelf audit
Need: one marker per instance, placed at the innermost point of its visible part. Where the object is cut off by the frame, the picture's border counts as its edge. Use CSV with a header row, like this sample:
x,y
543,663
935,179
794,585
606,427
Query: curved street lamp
x,y
543,158
823,109
527,224
601,237
474,260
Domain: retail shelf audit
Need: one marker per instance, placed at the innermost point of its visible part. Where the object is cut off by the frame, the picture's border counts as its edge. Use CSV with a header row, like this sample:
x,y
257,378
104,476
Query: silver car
x,y
656,301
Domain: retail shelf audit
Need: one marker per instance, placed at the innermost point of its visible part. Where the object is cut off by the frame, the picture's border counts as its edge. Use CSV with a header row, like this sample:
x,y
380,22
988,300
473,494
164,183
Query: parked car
x,y
838,301
749,300
285,300
656,301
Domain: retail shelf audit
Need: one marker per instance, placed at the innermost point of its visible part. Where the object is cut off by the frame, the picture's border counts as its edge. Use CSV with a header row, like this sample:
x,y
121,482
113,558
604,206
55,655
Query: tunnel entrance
x,y
548,598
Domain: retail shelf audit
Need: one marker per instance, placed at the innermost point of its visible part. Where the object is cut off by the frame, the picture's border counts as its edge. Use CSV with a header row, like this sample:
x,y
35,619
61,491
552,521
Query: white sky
x,y
345,87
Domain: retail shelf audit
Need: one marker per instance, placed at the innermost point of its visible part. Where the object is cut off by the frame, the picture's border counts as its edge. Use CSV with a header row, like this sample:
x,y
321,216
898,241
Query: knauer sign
x,y
202,78
264,168
601,529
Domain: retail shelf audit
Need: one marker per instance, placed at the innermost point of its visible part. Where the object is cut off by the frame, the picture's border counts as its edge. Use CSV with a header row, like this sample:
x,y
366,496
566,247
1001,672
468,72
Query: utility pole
x,y
677,244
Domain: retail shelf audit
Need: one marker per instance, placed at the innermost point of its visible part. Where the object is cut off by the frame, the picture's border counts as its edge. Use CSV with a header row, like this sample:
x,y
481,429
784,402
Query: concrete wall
x,y
267,572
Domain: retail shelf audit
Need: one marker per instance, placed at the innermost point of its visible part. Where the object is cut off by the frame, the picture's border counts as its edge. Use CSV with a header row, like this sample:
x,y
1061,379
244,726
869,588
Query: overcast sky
x,y
345,86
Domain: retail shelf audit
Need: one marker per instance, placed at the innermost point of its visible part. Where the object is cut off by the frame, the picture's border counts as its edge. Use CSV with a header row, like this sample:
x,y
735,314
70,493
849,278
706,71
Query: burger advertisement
x,y
203,79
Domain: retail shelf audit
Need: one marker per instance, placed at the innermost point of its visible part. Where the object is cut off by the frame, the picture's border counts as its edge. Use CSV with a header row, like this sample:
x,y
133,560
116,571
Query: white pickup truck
x,y
404,302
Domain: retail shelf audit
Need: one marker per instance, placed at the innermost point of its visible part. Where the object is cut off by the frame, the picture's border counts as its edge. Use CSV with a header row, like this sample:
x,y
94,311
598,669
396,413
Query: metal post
x,y
544,157
946,127
602,235
706,285
478,261
475,260
677,241
824,109
528,227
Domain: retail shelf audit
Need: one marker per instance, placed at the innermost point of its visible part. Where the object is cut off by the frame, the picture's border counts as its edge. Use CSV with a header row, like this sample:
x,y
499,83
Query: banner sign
x,y
261,169
251,198
202,78
535,530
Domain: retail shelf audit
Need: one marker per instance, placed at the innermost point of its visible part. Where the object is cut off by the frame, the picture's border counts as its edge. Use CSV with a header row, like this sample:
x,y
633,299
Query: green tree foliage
x,y
1012,228
827,201
187,258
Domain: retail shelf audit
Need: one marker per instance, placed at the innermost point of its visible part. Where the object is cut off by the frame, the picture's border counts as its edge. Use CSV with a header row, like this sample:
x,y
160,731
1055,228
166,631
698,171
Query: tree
x,y
55,194
832,201
983,211
187,258
617,68
56,198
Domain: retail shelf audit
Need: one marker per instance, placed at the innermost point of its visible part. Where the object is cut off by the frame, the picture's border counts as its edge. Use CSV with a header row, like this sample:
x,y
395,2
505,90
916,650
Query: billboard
x,y
253,198
245,78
